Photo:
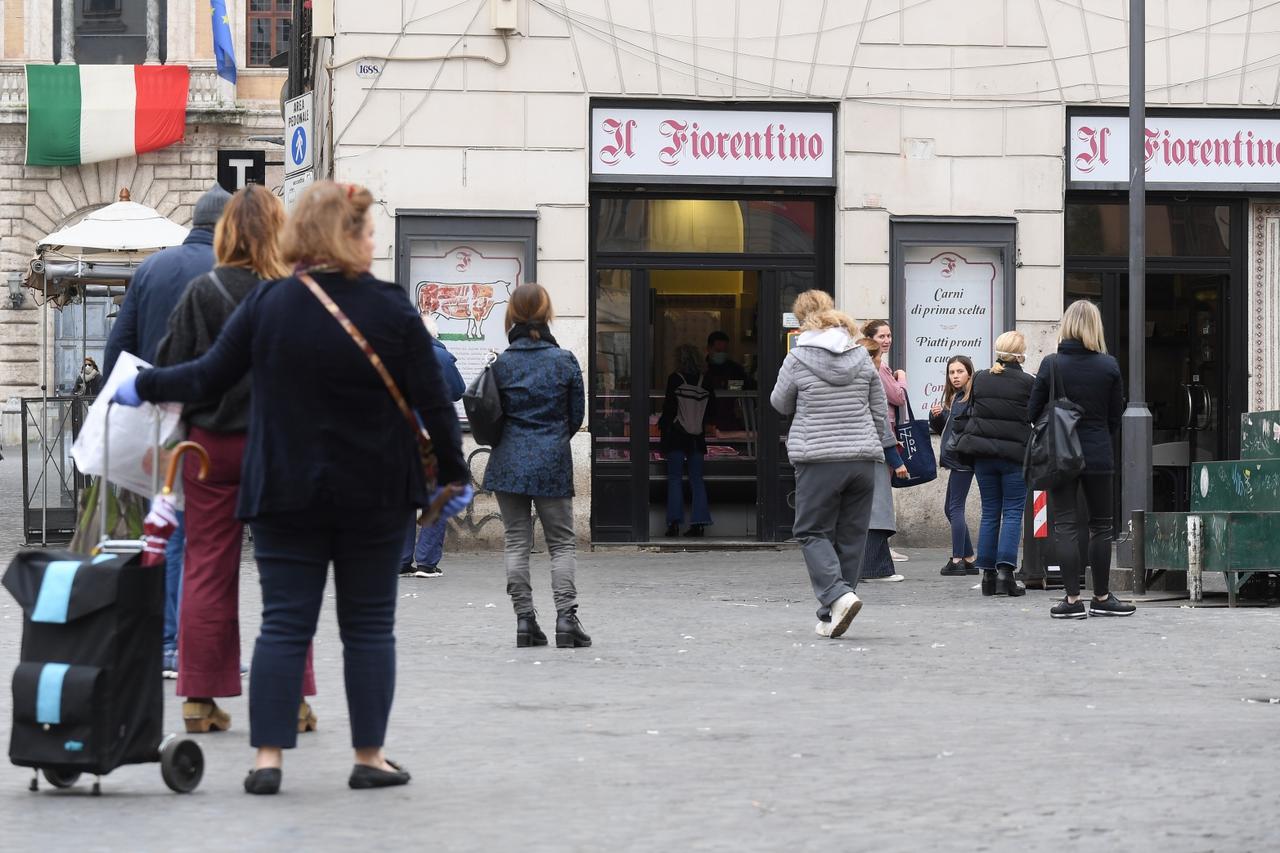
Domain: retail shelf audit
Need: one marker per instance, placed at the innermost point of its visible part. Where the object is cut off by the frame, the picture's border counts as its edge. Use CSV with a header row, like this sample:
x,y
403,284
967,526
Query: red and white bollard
x,y
1040,506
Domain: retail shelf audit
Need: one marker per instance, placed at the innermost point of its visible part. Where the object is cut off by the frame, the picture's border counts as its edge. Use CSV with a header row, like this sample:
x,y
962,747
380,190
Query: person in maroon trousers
x,y
246,245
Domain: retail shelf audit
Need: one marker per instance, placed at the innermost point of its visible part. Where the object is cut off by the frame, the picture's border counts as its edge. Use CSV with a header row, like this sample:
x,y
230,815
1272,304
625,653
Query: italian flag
x,y
90,113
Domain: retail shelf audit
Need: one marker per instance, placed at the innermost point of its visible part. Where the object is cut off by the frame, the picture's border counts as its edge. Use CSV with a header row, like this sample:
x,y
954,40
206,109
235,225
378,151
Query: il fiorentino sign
x,y
1179,150
693,143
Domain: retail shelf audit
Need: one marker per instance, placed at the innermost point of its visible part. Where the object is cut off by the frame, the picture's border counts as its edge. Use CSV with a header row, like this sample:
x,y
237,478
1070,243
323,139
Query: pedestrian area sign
x,y
297,134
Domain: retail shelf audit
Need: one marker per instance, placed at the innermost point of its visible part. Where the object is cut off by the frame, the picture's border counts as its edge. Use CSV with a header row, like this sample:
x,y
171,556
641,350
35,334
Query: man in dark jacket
x,y
142,324
159,283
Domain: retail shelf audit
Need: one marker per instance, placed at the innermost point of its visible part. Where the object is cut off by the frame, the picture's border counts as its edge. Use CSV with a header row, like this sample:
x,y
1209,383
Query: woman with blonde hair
x,y
838,442
531,467
331,472
1082,372
246,245
995,435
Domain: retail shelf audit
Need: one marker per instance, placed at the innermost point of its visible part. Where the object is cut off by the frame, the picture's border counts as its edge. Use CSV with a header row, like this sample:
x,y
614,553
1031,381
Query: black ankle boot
x,y
569,633
673,530
527,631
1007,585
988,581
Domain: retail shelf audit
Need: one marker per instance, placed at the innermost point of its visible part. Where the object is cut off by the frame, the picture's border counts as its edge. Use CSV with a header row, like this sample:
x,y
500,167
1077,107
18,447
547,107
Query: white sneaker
x,y
823,629
888,579
898,556
842,612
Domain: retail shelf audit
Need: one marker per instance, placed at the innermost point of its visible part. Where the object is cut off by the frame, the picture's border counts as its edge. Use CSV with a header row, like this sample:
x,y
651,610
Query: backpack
x,y
691,405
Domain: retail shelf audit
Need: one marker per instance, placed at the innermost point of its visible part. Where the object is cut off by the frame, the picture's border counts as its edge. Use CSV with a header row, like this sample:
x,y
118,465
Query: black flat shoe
x,y
695,530
364,776
673,530
970,568
952,569
263,781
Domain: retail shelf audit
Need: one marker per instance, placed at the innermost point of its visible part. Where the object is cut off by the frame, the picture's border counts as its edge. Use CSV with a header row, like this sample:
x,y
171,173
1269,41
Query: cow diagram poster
x,y
464,287
952,300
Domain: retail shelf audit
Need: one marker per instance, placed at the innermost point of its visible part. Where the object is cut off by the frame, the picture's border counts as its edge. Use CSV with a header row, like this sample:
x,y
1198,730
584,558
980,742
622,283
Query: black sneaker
x,y
952,569
970,568
1110,606
1066,610
429,571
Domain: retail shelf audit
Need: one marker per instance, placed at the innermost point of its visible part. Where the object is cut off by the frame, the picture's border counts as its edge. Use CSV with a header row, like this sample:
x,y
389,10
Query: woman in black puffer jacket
x,y
995,435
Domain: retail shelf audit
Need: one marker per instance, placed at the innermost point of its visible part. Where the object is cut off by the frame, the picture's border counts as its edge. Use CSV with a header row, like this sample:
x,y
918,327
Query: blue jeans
x,y
424,545
958,483
700,513
294,551
1003,494
173,550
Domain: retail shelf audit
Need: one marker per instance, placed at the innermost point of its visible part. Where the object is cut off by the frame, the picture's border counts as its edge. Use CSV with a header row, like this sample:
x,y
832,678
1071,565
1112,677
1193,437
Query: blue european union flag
x,y
223,46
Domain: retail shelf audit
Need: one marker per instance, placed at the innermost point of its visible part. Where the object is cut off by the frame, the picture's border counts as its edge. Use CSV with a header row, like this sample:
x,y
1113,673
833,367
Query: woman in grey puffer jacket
x,y
838,440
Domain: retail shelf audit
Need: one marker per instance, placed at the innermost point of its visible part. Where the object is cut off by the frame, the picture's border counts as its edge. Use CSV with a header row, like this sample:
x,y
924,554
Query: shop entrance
x,y
705,281
1191,329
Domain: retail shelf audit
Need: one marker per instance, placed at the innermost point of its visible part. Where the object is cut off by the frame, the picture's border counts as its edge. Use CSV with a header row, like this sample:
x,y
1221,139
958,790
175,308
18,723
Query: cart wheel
x,y
60,778
181,765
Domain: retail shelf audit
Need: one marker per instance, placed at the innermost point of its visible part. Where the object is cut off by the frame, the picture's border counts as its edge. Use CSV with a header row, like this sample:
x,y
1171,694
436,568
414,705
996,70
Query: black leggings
x,y
1067,527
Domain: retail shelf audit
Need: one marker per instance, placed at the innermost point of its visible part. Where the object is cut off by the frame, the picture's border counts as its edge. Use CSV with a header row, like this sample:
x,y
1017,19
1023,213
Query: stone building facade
x,y
36,200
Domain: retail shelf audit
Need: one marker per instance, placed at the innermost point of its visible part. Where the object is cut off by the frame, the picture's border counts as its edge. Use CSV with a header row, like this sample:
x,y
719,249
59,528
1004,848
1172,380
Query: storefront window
x,y
1173,230
729,226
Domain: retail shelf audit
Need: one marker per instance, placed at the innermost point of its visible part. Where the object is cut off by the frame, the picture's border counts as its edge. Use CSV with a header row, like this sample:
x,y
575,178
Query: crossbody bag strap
x,y
366,348
221,288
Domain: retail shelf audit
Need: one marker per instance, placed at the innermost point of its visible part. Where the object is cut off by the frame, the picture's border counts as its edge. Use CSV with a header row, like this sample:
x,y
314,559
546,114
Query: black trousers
x,y
1068,527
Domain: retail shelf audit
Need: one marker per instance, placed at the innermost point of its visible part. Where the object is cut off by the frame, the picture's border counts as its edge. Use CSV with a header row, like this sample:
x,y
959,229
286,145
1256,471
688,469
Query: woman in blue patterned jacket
x,y
543,404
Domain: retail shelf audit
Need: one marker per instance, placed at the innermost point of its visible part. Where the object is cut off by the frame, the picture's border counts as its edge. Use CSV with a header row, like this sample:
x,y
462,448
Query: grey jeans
x,y
833,509
557,526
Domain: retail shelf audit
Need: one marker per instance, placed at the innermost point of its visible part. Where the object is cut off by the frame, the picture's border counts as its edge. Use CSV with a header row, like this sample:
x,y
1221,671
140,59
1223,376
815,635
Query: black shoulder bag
x,y
1054,455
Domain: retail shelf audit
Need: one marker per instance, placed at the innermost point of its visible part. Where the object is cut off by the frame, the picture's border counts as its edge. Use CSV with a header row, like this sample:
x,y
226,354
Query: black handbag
x,y
483,405
916,448
950,454
1054,455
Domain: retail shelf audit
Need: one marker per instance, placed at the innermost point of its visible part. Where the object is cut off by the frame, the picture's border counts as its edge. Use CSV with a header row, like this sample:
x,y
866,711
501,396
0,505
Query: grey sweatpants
x,y
557,527
833,509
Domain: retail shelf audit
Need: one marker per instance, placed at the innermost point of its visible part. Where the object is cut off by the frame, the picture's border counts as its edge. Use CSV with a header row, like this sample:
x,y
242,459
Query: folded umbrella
x,y
162,520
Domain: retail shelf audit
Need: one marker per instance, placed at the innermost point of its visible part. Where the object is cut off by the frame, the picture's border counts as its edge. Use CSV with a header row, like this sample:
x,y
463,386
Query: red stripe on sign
x,y
161,113
1040,513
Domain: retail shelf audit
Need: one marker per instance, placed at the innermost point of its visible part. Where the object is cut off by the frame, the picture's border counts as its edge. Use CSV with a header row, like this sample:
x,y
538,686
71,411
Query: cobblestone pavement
x,y
707,716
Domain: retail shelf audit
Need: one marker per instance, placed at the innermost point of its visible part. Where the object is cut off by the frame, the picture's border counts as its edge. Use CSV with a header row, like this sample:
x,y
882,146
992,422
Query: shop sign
x,y
952,305
464,286
1179,150
745,145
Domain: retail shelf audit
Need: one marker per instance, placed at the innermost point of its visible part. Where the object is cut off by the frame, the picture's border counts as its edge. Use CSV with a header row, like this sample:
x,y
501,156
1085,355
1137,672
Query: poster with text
x,y
953,299
464,288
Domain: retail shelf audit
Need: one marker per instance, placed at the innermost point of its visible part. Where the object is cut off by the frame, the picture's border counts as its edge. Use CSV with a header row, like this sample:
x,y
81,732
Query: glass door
x,y
1186,366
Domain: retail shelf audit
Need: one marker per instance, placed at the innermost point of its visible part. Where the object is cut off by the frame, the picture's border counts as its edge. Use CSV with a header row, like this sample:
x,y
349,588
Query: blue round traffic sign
x,y
298,147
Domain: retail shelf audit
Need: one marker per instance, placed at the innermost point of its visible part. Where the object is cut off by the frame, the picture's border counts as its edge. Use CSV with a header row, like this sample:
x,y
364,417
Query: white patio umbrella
x,y
120,227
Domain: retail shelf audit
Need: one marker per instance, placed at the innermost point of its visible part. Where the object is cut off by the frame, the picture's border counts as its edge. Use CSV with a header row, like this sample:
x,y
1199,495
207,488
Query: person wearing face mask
x,y
721,370
89,382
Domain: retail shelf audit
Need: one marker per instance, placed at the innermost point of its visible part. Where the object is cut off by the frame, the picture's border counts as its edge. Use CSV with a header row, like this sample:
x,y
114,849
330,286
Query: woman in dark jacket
x,y
331,469
995,435
246,243
943,418
1082,372
543,405
686,414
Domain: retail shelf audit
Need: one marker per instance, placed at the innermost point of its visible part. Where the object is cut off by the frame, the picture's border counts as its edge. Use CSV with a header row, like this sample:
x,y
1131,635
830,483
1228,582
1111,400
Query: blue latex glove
x,y
457,503
127,393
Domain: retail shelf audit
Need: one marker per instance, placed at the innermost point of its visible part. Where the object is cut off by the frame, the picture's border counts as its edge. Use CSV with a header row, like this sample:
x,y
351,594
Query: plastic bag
x,y
133,444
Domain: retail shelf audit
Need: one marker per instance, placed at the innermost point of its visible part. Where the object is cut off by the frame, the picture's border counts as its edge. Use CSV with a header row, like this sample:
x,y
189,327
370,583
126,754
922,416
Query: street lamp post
x,y
1135,430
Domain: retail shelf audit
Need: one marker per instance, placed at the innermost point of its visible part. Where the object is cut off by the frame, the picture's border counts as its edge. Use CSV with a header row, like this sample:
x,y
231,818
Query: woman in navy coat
x,y
531,466
331,471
